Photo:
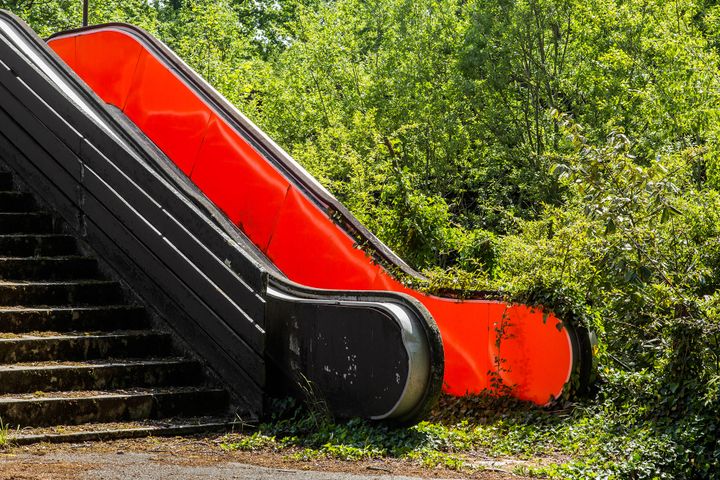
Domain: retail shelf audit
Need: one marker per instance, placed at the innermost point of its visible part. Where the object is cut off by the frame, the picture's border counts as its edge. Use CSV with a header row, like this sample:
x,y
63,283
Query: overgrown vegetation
x,y
4,435
602,439
564,152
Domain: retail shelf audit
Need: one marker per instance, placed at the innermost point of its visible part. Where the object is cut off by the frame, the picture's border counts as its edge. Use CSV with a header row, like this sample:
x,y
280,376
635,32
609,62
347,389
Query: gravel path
x,y
143,466
203,457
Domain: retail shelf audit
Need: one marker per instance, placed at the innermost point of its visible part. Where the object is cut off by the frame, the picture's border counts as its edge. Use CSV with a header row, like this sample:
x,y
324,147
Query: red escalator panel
x,y
65,49
158,100
92,61
234,176
310,249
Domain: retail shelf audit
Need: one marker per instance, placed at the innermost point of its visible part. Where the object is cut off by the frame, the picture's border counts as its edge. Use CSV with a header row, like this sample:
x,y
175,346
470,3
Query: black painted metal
x,y
181,255
334,351
82,209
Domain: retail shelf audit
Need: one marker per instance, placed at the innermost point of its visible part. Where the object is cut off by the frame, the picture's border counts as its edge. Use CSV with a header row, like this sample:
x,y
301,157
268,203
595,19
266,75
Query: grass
x,y
596,438
4,435
443,442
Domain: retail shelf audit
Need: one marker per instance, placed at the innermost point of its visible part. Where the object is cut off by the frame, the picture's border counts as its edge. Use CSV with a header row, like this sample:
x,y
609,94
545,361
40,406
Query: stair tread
x,y
55,258
38,213
34,213
68,308
15,193
40,235
104,394
27,222
94,364
162,423
80,281
17,337
32,245
117,430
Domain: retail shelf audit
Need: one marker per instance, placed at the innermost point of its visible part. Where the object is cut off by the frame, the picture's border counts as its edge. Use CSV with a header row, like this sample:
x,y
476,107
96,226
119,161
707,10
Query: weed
x,y
317,408
4,435
254,442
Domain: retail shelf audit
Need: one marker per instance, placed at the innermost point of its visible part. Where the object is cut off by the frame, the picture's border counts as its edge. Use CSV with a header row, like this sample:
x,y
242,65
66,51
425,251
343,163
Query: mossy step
x,y
66,319
121,430
84,346
34,245
16,202
125,405
39,379
37,222
6,181
48,268
60,293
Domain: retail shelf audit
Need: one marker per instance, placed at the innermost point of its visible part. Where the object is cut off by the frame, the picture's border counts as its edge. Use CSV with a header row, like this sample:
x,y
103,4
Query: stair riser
x,y
114,377
16,202
61,294
18,321
48,269
6,182
34,246
85,348
111,409
25,223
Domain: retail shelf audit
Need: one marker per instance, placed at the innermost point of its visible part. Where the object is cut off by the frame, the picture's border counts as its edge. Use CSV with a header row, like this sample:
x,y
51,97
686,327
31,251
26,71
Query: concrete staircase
x,y
77,360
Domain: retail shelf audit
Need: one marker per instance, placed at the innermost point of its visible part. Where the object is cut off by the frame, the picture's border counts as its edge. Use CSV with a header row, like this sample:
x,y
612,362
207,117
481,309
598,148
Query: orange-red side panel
x,y
235,177
167,111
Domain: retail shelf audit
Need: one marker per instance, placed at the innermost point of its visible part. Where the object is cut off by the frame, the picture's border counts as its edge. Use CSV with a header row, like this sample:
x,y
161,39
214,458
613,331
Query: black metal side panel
x,y
337,354
137,221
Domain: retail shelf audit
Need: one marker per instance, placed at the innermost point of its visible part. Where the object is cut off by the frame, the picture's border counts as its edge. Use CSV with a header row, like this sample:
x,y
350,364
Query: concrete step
x,y
68,293
104,318
17,202
36,222
29,245
40,379
74,408
48,268
120,430
77,362
124,344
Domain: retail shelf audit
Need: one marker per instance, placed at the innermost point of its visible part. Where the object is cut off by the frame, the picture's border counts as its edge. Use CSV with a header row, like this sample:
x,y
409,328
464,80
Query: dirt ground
x,y
202,457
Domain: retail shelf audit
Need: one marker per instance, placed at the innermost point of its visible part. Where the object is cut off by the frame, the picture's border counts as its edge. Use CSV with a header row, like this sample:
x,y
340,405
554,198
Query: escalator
x,y
258,332
244,254
299,226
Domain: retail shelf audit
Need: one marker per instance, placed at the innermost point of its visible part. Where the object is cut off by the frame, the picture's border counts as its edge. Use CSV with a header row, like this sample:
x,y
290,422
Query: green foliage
x,y
600,439
208,36
635,249
4,435
270,23
355,440
51,16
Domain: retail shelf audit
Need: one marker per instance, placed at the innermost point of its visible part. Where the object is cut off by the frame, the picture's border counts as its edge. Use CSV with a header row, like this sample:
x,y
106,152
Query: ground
x,y
203,457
